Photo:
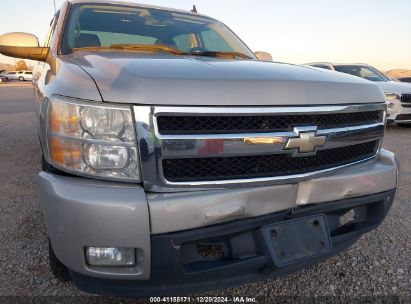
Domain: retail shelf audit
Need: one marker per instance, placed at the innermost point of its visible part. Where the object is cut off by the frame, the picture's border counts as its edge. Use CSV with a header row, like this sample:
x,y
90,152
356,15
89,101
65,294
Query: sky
x,y
377,32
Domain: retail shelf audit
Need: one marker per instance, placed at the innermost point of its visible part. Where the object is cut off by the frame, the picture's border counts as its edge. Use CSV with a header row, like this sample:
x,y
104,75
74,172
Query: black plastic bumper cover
x,y
236,253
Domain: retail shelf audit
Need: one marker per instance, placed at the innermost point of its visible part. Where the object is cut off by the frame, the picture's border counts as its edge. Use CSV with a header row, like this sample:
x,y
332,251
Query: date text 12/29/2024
x,y
203,300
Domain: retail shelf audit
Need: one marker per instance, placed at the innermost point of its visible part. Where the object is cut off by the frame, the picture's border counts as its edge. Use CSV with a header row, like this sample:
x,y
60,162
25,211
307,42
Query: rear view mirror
x,y
263,56
22,45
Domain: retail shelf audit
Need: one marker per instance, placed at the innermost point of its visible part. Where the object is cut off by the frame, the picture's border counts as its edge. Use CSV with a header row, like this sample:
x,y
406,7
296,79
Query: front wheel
x,y
21,78
59,270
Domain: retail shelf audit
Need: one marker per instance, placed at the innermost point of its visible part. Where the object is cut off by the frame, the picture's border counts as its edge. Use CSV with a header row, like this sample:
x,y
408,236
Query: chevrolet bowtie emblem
x,y
306,142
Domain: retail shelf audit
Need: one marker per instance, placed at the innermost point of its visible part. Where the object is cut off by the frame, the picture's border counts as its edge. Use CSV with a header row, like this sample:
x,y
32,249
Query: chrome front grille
x,y
177,125
191,148
256,166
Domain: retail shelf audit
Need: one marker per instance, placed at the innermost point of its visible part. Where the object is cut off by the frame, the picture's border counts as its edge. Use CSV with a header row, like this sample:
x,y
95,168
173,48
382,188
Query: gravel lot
x,y
378,265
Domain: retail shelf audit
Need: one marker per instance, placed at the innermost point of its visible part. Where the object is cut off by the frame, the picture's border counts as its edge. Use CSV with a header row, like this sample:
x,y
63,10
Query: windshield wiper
x,y
164,48
150,48
136,47
219,54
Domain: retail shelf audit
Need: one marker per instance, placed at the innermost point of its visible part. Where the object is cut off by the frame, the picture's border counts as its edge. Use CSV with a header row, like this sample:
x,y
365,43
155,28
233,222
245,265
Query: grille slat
x,y
257,166
406,98
195,125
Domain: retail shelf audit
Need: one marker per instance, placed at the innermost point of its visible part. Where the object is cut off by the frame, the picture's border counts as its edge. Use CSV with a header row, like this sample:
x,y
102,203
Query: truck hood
x,y
163,79
394,87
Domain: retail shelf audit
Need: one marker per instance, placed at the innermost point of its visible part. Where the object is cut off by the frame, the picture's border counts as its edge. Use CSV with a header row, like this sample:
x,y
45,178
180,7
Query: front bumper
x,y
399,112
82,212
242,254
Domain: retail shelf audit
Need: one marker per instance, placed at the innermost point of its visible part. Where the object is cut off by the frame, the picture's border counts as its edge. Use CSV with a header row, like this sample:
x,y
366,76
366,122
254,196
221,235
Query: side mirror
x,y
22,45
263,56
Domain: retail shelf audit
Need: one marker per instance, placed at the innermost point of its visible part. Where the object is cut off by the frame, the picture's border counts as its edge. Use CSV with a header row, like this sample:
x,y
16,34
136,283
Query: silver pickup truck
x,y
175,161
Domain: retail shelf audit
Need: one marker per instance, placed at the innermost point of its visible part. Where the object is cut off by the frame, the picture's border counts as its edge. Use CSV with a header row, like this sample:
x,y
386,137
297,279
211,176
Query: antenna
x,y
55,8
194,10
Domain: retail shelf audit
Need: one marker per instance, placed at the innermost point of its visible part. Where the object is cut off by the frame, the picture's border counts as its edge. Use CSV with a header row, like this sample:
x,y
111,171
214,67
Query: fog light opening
x,y
346,223
207,250
110,257
348,218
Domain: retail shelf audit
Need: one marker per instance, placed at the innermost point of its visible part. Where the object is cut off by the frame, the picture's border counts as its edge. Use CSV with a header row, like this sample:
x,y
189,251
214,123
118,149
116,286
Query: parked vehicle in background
x,y
397,94
405,79
175,161
11,76
3,77
24,76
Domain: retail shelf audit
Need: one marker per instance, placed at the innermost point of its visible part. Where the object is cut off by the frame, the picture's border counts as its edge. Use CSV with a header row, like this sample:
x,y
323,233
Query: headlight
x,y
96,140
391,96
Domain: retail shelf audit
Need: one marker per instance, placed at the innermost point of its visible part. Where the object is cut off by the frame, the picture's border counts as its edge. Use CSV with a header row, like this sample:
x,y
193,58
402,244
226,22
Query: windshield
x,y
113,26
365,72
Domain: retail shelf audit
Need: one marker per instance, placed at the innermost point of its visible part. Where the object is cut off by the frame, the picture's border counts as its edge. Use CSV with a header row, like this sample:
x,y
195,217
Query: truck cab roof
x,y
127,3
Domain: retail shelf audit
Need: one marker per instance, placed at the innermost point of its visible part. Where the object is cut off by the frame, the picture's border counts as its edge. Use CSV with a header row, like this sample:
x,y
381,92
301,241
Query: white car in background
x,y
397,94
24,76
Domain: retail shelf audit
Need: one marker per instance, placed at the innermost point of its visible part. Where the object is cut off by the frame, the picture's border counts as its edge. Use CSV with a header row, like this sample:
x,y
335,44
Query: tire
x,y
59,271
21,78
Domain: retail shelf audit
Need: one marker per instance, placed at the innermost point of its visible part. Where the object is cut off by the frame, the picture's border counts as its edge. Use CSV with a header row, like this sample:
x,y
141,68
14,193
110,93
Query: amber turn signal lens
x,y
65,153
64,118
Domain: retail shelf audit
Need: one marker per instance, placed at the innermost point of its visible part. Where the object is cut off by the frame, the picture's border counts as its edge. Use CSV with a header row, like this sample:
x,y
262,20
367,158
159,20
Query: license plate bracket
x,y
296,240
